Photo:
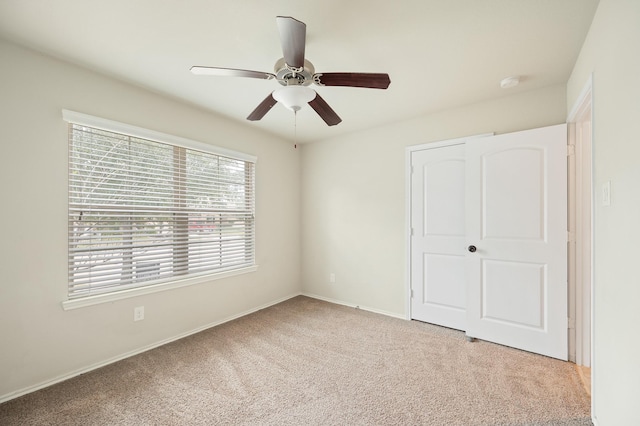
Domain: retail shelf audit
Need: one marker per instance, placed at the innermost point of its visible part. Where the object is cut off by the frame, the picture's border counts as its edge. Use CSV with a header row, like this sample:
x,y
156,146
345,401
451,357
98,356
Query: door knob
x,y
472,249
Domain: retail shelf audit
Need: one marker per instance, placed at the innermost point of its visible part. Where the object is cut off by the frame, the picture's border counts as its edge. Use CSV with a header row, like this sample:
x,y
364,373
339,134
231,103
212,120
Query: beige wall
x,y
41,342
351,212
353,202
611,53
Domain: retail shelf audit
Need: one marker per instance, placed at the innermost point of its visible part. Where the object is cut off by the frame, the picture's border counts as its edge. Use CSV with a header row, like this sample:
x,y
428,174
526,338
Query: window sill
x,y
134,292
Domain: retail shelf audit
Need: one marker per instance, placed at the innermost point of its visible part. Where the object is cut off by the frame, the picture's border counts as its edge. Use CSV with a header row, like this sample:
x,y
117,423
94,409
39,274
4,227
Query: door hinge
x,y
571,323
412,293
571,237
571,150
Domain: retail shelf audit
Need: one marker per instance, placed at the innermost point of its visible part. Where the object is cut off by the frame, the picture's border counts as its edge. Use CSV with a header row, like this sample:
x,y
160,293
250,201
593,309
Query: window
x,y
147,208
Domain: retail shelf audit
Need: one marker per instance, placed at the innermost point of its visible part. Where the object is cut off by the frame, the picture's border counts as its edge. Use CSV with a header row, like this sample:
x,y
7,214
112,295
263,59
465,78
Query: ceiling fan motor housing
x,y
291,76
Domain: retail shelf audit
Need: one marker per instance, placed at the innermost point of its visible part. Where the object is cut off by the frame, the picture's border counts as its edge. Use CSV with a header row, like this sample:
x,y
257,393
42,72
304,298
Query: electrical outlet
x,y
332,277
138,313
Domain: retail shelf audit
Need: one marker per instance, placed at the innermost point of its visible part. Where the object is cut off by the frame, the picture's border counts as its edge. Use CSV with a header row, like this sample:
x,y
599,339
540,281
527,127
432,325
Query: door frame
x,y
581,227
407,179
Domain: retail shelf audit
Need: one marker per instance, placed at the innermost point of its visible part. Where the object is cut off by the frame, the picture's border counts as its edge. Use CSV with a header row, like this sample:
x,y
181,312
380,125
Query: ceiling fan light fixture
x,y
294,97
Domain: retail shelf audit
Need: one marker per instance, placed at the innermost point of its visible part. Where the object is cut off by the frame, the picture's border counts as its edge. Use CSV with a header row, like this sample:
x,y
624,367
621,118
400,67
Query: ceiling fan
x,y
296,73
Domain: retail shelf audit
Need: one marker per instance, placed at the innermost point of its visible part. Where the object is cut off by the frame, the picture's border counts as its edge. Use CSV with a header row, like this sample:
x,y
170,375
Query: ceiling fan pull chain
x,y
295,129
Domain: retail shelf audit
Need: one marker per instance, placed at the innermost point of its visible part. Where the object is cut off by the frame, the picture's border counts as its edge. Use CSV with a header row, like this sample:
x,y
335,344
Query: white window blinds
x,y
143,212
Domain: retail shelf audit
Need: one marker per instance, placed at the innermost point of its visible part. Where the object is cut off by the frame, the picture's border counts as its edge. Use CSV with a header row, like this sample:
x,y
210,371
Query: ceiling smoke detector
x,y
509,82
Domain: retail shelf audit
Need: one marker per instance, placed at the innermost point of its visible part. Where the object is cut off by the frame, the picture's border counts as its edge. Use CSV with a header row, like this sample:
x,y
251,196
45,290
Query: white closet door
x,y
516,217
438,236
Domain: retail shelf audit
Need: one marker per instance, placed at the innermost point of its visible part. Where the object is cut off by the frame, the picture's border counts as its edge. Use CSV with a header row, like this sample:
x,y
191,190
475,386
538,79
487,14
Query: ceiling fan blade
x,y
353,79
230,72
325,111
264,107
293,34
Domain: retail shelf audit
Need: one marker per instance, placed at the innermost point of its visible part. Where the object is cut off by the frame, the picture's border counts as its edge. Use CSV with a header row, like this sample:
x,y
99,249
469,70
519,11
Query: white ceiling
x,y
439,53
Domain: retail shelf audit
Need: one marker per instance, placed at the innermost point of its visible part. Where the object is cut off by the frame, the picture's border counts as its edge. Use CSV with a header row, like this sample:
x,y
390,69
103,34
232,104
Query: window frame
x,y
72,117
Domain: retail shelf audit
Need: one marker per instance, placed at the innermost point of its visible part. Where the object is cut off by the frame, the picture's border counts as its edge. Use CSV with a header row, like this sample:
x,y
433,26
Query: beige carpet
x,y
308,362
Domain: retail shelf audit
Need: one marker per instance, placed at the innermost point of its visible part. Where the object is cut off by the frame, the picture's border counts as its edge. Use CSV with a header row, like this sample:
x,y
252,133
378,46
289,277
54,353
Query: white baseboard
x,y
67,376
351,305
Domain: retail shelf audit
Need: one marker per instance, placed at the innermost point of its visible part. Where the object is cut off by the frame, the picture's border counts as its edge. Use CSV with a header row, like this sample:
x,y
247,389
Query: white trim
x,y
407,204
584,103
408,233
97,365
139,291
140,132
572,178
447,142
351,305
582,97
